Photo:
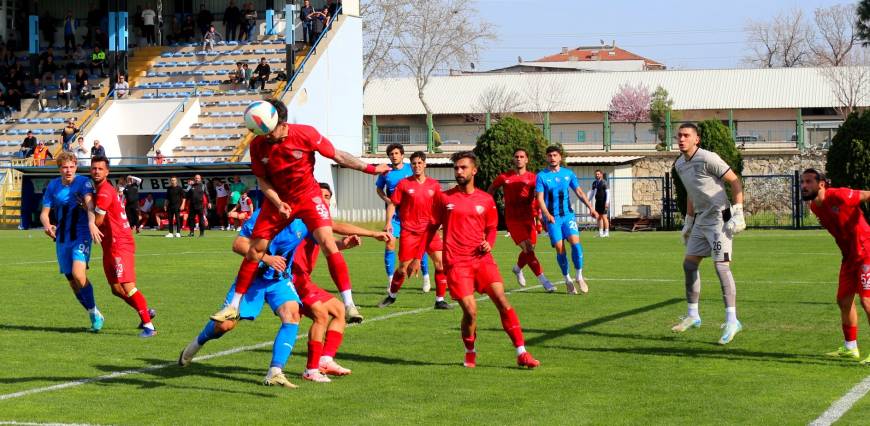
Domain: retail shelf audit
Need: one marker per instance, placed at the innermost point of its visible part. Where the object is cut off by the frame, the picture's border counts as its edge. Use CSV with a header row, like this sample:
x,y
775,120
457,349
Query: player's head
x,y
418,163
812,182
599,174
521,158
554,155
688,137
326,191
67,163
99,168
278,133
464,167
173,181
396,153
244,195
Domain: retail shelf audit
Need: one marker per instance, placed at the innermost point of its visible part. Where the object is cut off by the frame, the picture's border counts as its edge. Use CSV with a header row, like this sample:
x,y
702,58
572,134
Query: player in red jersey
x,y
414,196
521,215
470,222
241,211
839,211
118,246
283,161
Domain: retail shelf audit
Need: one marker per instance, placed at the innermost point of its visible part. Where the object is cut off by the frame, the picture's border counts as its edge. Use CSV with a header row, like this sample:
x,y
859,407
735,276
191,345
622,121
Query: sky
x,y
682,34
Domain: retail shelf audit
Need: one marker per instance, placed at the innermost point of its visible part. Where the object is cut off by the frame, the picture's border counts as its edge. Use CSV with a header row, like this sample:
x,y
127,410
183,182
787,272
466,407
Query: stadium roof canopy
x,y
769,88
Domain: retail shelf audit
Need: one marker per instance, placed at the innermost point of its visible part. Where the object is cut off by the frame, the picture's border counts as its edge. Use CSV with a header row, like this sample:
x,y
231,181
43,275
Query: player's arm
x,y
496,184
93,225
271,195
582,196
388,221
864,196
381,193
490,230
136,181
46,222
347,229
736,186
542,205
241,245
348,242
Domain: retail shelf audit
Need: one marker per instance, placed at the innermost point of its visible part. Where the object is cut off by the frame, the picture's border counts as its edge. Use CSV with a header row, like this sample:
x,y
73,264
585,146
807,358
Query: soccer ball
x,y
261,117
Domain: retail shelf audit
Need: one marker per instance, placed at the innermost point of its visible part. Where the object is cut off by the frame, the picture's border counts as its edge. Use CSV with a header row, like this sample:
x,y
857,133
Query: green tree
x,y
848,162
717,138
863,24
659,106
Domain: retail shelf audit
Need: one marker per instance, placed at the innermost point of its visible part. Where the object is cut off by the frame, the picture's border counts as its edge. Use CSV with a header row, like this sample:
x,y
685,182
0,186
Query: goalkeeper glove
x,y
687,229
737,223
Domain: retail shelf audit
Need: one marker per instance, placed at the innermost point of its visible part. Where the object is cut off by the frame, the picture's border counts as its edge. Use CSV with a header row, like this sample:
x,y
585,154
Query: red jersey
x,y
840,213
519,194
115,228
468,220
415,201
289,164
246,205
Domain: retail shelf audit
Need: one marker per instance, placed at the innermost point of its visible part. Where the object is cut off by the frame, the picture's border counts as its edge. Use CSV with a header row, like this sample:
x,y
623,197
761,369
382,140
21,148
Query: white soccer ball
x,y
261,117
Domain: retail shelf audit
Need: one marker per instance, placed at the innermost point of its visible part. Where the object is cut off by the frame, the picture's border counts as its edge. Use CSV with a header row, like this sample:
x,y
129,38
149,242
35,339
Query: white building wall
x,y
189,116
129,117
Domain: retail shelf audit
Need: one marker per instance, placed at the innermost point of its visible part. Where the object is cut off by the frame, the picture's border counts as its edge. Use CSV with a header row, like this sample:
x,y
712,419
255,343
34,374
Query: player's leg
x,y
573,237
390,252
468,328
334,337
697,248
722,255
73,258
285,338
132,296
519,234
212,330
337,270
510,322
847,289
399,276
440,278
320,322
534,264
554,231
424,269
605,217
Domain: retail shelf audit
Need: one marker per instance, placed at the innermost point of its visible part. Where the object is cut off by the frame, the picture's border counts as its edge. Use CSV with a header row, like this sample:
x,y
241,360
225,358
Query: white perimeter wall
x,y
129,117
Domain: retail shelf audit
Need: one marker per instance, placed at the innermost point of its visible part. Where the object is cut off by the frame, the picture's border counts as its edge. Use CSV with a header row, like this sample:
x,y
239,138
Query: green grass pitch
x,y
607,358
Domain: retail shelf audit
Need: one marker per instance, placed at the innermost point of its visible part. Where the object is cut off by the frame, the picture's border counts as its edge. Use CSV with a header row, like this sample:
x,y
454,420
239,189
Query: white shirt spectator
x,y
146,206
122,88
221,191
148,16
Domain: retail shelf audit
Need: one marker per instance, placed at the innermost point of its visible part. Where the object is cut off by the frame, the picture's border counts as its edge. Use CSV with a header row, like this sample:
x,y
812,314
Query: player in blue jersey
x,y
554,186
385,185
272,285
71,199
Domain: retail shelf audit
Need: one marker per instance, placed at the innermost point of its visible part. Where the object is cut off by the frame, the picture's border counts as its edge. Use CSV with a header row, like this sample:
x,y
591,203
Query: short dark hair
x,y
324,185
418,154
820,176
100,159
692,126
554,148
464,154
393,146
281,108
523,150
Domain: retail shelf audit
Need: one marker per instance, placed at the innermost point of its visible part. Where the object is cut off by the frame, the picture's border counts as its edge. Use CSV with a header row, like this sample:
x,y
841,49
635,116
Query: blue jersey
x,y
557,188
387,182
284,244
71,218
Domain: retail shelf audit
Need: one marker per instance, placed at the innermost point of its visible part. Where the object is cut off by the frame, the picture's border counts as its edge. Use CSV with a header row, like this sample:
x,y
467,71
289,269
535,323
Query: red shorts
x,y
464,279
119,266
312,210
411,245
309,293
221,205
243,216
854,278
522,230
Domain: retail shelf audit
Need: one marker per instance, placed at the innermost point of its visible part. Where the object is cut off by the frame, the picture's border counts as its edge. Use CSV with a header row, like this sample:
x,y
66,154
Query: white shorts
x,y
710,241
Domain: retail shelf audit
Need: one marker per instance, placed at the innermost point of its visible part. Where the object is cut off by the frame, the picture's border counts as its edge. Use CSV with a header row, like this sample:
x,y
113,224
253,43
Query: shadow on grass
x,y
48,329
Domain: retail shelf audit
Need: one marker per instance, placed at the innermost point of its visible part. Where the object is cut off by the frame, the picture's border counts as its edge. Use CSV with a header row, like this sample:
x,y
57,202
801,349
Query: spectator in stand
x,y
321,18
101,39
158,158
40,153
241,212
204,19
79,60
222,194
40,95
85,95
188,29
64,92
237,187
307,16
28,145
122,88
261,74
131,200
174,197
210,38
149,19
232,18
68,133
237,75
249,22
248,73
97,149
98,60
81,153
48,68
69,33
196,200
94,16
80,77
146,211
48,26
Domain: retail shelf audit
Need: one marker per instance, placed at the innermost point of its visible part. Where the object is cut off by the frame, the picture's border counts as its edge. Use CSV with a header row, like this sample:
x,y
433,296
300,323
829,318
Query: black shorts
x,y
601,206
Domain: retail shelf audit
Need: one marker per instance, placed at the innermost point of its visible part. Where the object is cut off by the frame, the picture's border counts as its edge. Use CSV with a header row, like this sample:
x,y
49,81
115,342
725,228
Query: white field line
x,y
44,424
844,404
232,351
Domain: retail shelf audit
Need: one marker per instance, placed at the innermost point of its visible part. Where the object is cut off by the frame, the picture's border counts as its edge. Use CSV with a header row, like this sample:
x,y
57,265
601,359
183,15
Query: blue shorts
x,y
273,292
73,251
397,226
562,228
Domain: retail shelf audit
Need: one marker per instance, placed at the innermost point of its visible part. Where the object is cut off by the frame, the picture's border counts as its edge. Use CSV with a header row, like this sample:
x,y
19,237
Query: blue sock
x,y
577,255
208,333
85,296
284,341
424,265
390,262
562,260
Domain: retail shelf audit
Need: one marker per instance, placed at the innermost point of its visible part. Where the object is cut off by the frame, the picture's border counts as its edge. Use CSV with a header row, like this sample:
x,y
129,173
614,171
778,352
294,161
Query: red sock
x,y
522,260
440,283
511,325
315,349
246,275
850,333
338,271
333,341
396,283
534,265
138,303
469,342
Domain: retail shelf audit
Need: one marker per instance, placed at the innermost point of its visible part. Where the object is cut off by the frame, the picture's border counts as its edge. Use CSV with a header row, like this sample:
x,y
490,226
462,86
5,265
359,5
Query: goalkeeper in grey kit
x,y
710,225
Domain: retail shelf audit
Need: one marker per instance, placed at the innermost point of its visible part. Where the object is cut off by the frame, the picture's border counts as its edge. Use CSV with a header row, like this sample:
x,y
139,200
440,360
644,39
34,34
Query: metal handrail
x,y
168,121
327,28
96,112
